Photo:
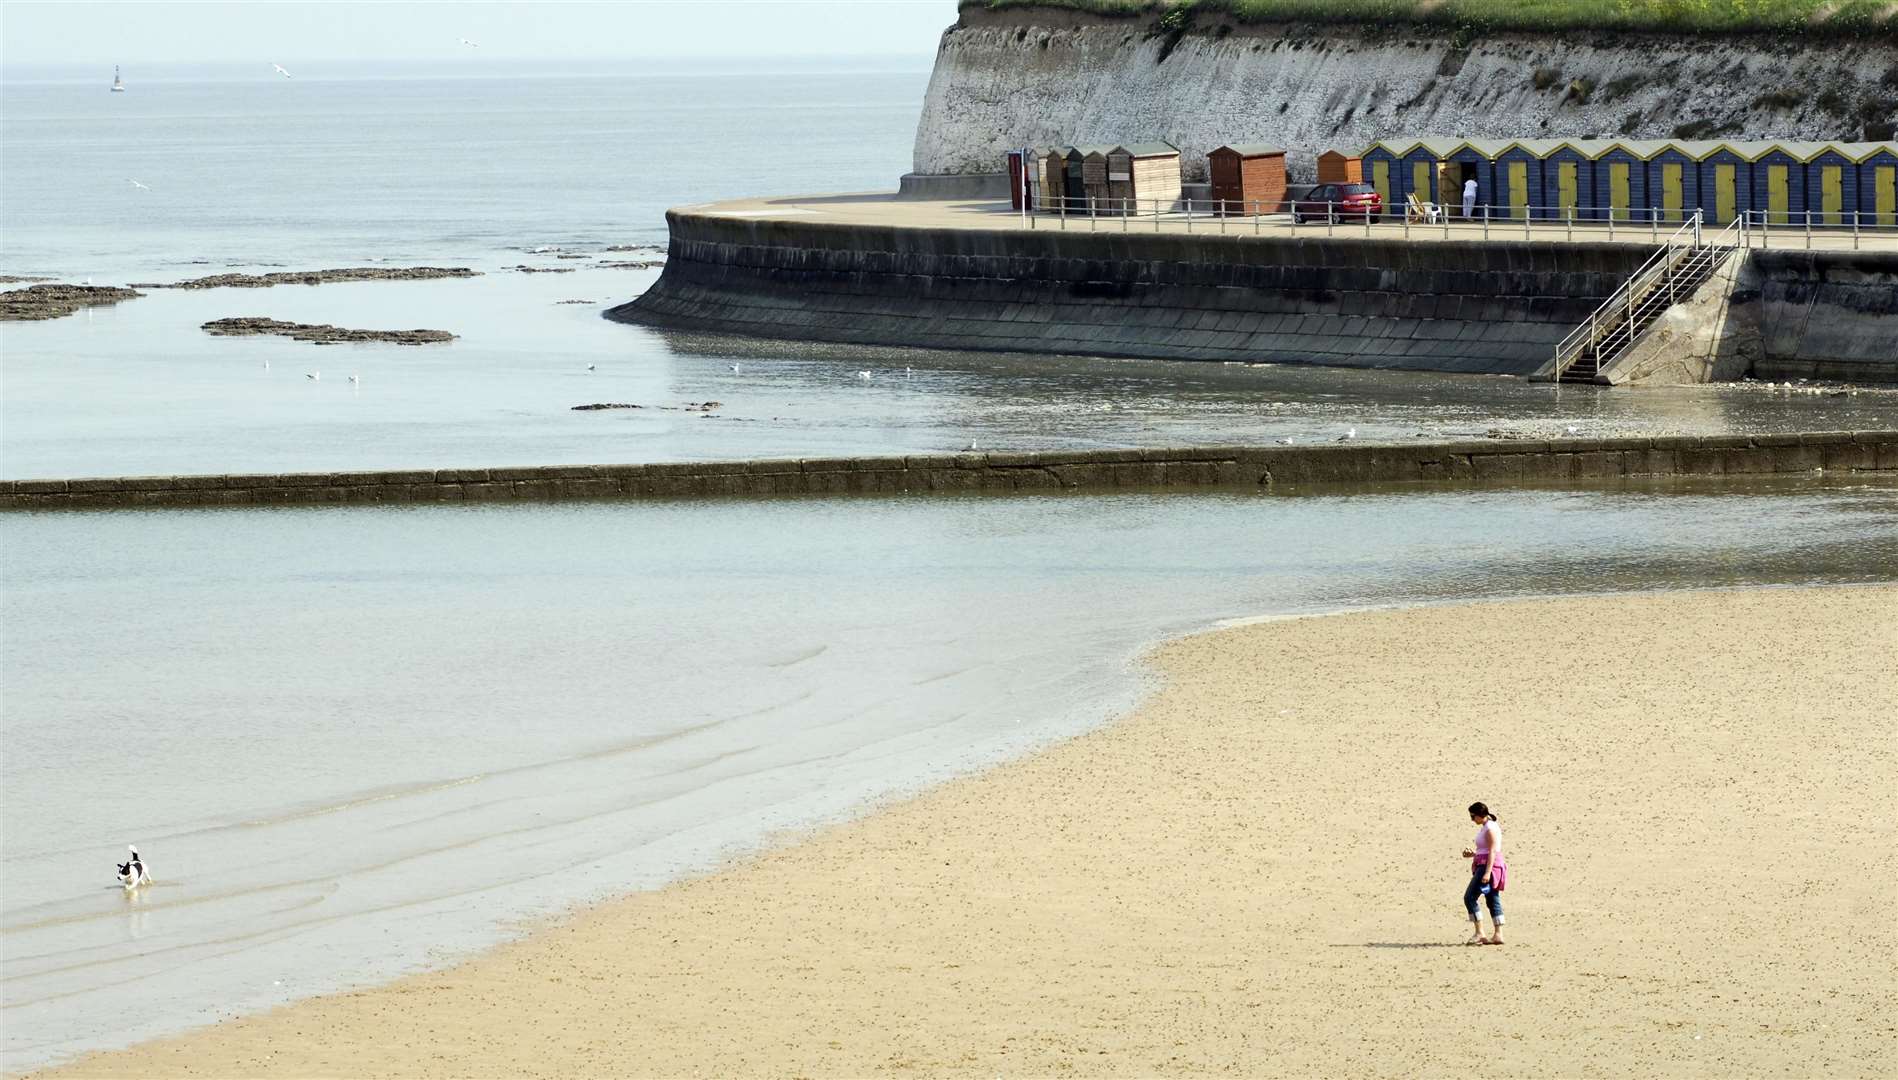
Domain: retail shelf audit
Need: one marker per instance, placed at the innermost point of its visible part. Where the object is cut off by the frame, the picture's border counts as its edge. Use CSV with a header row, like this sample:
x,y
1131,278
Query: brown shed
x,y
1248,178
1338,167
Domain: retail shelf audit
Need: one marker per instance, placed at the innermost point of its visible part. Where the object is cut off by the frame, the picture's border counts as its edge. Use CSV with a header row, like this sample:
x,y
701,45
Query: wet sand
x,y
1257,873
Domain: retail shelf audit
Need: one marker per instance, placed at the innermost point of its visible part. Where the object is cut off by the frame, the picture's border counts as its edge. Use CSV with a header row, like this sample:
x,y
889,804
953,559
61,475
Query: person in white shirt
x,y
1469,198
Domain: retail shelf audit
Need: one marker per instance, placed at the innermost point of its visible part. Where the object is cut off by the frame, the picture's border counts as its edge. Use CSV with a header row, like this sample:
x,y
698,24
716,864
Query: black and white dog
x,y
133,874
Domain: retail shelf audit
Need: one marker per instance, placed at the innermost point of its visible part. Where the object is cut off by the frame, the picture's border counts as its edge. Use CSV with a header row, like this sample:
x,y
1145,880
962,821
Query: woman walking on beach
x,y
1487,872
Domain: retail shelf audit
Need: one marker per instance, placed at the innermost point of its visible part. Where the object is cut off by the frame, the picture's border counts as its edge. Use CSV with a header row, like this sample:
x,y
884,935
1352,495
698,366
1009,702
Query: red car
x,y
1360,201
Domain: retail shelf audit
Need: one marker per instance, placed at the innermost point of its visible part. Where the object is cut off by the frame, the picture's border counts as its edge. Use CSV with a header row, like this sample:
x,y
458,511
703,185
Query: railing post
x,y
1855,213
1808,228
1189,215
1221,211
1486,221
1064,213
1654,225
1256,216
1568,213
1611,223
1331,219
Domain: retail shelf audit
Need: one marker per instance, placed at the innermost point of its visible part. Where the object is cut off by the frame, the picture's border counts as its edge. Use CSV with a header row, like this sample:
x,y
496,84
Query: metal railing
x,y
1676,260
1764,228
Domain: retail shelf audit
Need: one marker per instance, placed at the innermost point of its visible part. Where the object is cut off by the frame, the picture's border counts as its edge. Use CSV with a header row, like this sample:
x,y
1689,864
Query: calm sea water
x,y
488,172
356,741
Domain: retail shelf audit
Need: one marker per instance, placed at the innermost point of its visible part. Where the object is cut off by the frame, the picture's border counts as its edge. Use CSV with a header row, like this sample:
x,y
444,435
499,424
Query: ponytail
x,y
1477,809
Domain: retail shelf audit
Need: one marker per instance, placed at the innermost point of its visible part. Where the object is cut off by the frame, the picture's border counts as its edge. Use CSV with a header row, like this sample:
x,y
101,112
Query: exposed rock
x,y
526,269
633,264
323,334
573,255
690,406
54,301
16,279
576,301
318,277
657,249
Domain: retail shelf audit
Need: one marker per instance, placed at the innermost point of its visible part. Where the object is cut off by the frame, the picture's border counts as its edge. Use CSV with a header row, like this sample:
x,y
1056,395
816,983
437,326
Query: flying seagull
x,y
356,379
471,44
734,368
136,184
313,376
589,367
863,375
279,70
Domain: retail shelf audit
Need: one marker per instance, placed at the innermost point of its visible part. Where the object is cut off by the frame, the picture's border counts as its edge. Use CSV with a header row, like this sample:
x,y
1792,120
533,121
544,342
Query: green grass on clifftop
x,y
1873,18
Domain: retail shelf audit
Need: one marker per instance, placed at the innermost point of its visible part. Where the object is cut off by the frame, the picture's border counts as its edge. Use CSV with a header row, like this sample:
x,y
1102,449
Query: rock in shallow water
x,y
322,334
319,277
54,301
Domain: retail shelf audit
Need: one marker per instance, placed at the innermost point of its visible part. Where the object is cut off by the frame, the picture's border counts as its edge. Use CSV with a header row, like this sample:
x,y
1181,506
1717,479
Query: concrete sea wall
x,y
1039,76
1496,307
1271,468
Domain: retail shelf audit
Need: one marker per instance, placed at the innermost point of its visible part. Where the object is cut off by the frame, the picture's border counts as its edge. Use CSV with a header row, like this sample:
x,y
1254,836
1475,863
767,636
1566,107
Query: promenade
x,y
872,209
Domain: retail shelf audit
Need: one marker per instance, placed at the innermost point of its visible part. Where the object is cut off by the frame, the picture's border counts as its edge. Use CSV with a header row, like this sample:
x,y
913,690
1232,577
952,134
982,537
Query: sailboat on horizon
x,y
118,84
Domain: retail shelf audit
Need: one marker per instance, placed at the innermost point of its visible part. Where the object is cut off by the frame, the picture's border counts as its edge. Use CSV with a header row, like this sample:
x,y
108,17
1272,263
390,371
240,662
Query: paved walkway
x,y
887,210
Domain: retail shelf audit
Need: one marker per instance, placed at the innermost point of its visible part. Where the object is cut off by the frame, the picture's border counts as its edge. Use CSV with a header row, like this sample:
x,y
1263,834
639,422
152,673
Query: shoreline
x,y
1147,888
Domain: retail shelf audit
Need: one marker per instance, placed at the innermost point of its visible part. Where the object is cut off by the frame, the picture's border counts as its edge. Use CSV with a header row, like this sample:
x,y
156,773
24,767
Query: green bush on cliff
x,y
1819,17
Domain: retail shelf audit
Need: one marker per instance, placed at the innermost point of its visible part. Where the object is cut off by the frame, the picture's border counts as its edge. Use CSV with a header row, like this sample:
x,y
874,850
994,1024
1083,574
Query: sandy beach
x,y
1258,873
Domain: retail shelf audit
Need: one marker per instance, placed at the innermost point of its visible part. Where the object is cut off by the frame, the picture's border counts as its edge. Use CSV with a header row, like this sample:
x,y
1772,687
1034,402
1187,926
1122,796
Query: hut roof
x,y
1257,149
1697,149
1151,149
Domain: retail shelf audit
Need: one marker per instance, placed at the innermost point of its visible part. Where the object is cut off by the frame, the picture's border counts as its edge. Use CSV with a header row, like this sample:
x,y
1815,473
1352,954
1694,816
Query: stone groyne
x,y
1497,307
1271,468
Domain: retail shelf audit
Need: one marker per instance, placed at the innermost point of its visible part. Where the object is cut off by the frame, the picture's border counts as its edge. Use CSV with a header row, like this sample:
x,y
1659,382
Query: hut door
x,y
1381,180
1565,185
1420,180
1519,189
1885,194
1671,191
1725,195
1832,193
1777,201
1619,198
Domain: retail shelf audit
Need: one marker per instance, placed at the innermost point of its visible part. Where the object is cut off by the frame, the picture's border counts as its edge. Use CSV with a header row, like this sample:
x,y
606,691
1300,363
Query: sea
x,y
357,742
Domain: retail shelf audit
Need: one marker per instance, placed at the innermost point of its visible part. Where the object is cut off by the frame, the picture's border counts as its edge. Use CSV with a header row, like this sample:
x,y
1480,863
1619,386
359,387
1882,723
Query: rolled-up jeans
x,y
1477,890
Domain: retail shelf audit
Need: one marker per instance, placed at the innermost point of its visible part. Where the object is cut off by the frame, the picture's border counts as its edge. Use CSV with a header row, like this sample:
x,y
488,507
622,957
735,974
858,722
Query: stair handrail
x,y
1591,332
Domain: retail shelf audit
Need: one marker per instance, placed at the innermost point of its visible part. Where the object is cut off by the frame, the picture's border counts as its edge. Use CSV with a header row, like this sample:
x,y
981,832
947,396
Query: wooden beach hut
x,y
1144,176
1247,178
1473,159
1621,178
1568,180
1673,188
1094,187
1054,177
1725,177
1519,181
1878,185
1381,171
1829,197
1338,167
1420,170
1779,182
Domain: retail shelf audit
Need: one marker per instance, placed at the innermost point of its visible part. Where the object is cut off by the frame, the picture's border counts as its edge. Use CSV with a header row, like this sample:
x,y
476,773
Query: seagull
x,y
312,375
589,367
734,368
1349,434
970,447
909,373
266,365
357,379
1573,430
863,375
136,184
278,68
471,44
1286,441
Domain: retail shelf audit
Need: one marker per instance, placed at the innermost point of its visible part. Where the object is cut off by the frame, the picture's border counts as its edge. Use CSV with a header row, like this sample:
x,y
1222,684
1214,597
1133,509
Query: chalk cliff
x,y
1039,76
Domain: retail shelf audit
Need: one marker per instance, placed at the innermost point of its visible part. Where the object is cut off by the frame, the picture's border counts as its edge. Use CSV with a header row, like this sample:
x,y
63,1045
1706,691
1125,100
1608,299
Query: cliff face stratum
x,y
1038,77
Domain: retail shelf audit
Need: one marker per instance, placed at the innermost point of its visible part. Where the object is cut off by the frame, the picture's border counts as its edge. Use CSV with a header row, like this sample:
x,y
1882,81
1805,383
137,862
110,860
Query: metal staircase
x,y
1685,261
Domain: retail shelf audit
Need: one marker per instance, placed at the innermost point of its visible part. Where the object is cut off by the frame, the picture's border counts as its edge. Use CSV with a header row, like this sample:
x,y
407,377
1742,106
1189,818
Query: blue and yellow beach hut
x,y
1568,179
1519,180
1830,197
1381,172
1420,169
1779,182
1878,184
1621,178
1725,177
1673,183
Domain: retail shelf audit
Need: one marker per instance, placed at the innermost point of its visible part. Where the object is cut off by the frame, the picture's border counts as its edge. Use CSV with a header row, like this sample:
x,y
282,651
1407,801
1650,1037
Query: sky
x,y
71,33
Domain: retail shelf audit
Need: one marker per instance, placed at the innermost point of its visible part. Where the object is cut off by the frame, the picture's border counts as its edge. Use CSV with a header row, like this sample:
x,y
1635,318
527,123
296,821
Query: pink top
x,y
1489,835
